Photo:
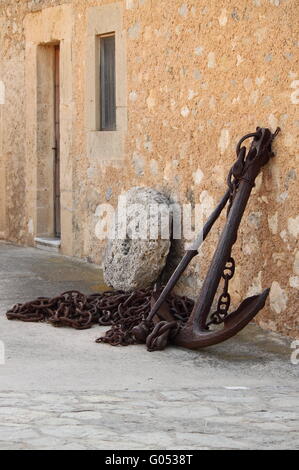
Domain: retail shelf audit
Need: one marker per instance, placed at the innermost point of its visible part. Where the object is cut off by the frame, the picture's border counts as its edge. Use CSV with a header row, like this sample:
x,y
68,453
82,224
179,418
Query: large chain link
x,y
224,301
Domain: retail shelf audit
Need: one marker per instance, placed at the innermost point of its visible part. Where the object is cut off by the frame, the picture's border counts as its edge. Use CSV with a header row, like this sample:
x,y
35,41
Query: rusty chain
x,y
121,310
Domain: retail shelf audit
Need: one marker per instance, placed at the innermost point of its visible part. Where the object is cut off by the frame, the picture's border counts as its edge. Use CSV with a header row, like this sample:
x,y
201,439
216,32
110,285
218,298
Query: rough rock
x,y
137,259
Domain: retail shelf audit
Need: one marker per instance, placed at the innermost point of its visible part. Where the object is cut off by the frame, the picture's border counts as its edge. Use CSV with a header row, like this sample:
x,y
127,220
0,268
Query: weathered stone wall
x,y
199,76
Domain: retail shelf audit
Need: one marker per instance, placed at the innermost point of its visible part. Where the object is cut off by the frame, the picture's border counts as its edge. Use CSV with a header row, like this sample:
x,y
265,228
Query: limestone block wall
x,y
198,75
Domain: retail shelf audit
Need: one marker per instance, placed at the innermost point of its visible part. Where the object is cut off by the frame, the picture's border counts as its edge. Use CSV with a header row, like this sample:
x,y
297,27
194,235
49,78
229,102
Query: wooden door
x,y
57,221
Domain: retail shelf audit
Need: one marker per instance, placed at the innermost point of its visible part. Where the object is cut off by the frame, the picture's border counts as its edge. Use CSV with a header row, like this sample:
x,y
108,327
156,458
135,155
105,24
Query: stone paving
x,y
60,390
210,418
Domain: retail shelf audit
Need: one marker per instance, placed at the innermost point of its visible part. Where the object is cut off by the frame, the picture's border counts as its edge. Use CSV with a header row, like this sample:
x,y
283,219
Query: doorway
x,y
48,142
57,222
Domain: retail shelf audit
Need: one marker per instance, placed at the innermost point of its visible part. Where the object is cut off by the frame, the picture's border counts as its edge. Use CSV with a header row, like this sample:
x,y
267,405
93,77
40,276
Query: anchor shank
x,y
228,238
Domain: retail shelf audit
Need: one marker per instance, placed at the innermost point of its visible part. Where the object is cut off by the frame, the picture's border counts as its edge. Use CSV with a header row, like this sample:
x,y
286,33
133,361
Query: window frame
x,y
103,88
105,146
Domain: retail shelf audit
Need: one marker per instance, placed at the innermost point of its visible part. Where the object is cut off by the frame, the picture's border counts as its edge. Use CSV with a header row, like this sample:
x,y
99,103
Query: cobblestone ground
x,y
60,390
210,418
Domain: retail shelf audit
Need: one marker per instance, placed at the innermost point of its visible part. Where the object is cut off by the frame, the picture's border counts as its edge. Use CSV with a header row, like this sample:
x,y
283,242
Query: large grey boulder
x,y
133,262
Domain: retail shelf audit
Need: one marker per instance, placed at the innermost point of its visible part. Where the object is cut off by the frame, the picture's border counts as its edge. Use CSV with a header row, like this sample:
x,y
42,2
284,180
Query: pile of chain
x,y
121,310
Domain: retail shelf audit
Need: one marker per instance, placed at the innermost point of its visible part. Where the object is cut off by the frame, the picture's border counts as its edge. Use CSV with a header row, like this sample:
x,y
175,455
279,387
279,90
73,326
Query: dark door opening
x,y
57,219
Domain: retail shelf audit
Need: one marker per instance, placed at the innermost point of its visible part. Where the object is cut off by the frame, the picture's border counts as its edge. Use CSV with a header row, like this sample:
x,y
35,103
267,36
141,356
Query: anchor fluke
x,y
249,308
235,322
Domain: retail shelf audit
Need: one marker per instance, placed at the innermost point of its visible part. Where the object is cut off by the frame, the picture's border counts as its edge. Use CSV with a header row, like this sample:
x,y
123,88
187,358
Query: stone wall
x,y
199,75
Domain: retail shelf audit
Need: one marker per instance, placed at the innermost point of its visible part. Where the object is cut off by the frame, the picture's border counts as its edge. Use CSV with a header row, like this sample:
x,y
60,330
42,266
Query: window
x,y
107,83
106,109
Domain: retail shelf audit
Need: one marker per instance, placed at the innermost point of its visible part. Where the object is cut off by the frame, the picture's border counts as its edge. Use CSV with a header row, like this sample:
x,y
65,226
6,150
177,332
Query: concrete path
x,y
60,390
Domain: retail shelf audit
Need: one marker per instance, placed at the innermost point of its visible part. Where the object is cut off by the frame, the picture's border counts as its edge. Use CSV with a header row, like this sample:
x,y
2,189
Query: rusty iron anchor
x,y
196,332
